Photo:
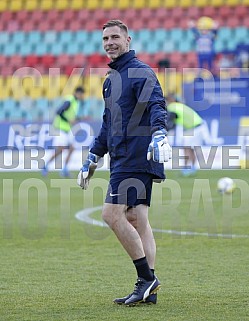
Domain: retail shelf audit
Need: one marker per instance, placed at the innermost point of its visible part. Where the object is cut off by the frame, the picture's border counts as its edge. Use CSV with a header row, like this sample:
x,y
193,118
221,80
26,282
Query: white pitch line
x,y
84,216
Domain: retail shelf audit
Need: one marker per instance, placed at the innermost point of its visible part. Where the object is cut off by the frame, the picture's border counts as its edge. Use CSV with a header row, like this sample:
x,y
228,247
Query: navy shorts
x,y
130,189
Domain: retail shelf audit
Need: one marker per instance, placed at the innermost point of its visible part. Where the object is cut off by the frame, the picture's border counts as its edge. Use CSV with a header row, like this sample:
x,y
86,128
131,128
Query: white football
x,y
225,185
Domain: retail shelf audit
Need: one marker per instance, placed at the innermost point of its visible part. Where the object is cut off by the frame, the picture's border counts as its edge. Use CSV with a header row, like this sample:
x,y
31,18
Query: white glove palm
x,y
87,170
159,148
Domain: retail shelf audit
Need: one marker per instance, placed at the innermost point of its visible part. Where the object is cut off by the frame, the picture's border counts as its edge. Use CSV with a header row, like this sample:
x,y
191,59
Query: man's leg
x,y
138,217
57,152
65,171
115,216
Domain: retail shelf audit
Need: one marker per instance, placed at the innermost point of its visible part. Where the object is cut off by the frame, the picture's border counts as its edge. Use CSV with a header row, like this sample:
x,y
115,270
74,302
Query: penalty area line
x,y
84,216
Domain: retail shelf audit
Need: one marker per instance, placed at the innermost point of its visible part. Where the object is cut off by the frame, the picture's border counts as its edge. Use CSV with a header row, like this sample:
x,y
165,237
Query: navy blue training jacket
x,y
134,109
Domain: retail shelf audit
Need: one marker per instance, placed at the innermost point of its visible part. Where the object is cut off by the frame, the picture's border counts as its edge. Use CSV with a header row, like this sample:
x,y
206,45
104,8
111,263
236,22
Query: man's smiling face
x,y
115,42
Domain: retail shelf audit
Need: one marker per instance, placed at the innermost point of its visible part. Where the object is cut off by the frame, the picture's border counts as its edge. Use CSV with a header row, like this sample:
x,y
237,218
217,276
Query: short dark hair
x,y
118,23
79,90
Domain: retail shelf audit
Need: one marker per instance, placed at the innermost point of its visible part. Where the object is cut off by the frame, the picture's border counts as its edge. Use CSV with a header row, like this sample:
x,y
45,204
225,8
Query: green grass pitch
x,y
56,268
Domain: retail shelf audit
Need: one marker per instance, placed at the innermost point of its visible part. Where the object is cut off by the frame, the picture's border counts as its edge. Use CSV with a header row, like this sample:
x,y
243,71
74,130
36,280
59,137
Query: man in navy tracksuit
x,y
134,133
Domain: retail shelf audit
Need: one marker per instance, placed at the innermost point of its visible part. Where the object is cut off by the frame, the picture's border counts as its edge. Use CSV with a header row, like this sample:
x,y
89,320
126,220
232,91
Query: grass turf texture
x,y
55,268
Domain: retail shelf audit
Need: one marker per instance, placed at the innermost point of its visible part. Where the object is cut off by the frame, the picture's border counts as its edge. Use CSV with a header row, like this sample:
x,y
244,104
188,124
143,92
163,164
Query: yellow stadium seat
x,y
62,4
139,4
233,3
46,5
109,4
3,5
16,5
77,4
217,3
31,5
201,3
245,2
169,3
153,4
186,3
5,88
123,4
93,4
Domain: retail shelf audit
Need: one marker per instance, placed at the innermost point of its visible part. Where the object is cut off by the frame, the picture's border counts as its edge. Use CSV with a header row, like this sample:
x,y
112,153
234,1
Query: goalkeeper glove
x,y
159,147
87,170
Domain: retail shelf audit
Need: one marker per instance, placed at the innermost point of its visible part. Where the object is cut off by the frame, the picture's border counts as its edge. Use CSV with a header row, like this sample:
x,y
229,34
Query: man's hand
x,y
87,170
159,147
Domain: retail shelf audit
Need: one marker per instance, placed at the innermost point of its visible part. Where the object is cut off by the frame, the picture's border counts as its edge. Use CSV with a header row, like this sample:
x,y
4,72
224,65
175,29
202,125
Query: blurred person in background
x,y
193,130
205,32
65,118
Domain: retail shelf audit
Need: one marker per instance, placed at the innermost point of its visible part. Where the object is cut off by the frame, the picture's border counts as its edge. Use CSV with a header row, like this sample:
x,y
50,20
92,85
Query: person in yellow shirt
x,y
65,117
194,130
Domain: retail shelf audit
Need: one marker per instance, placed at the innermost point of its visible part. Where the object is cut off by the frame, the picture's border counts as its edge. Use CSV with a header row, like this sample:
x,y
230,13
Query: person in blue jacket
x,y
134,134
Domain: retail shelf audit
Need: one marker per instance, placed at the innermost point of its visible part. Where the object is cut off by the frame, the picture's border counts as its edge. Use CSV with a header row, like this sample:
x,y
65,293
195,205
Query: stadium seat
x,y
59,25
57,48
75,25
31,5
93,4
138,4
108,4
46,5
34,38
217,3
241,11
38,15
77,4
3,6
123,4
31,61
224,11
154,4
210,11
22,15
193,13
4,38
233,22
24,49
169,3
224,33
66,37
186,3
232,3
61,4
15,5
202,3
50,37
241,34
9,49
19,38
40,50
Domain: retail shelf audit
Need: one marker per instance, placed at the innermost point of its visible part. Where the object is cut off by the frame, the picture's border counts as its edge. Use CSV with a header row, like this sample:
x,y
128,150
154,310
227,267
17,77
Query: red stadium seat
x,y
52,15
83,15
32,61
7,16
3,61
41,26
145,14
17,61
241,11
161,13
47,61
178,13
22,15
59,25
95,60
153,24
136,24
225,11
68,15
38,15
63,60
28,26
79,60
209,11
168,23
75,25
233,21
193,13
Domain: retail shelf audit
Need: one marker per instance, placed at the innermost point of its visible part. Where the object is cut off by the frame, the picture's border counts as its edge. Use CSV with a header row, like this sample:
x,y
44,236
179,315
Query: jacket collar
x,y
122,60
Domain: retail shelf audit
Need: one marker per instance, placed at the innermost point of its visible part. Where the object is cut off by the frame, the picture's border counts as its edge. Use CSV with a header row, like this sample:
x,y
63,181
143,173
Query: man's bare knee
x,y
111,213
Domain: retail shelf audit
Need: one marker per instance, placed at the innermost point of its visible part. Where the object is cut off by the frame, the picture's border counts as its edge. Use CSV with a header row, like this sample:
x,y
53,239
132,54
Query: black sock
x,y
143,269
153,271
